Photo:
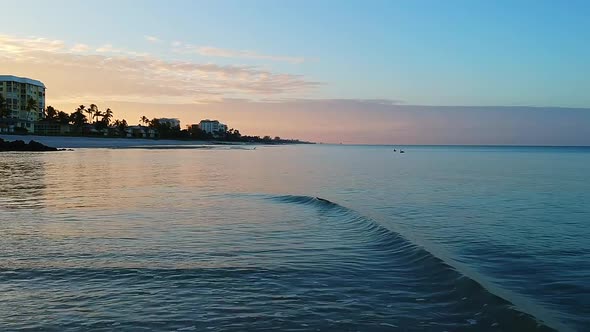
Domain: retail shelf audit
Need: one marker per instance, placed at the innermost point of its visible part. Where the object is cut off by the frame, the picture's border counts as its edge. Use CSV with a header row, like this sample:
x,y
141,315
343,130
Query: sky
x,y
361,72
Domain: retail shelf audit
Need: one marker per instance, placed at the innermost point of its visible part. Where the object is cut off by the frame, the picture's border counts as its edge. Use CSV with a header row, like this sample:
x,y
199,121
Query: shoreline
x,y
69,142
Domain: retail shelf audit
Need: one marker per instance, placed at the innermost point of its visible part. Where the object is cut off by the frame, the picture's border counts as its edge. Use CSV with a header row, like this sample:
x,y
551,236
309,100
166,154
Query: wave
x,y
443,279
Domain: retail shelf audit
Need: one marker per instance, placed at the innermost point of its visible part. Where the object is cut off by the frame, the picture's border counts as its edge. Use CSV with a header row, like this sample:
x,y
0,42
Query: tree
x,y
32,105
4,109
51,113
166,130
144,119
232,135
83,109
106,116
154,123
78,118
97,114
121,126
63,117
195,132
91,110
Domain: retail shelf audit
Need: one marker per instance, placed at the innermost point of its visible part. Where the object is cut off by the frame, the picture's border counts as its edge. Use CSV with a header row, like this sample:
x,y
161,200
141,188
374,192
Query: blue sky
x,y
437,53
420,52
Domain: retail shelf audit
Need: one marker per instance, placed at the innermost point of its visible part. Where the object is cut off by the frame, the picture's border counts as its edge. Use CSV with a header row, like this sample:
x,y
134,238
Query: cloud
x,y
11,45
110,73
152,39
228,53
376,122
337,102
80,48
107,48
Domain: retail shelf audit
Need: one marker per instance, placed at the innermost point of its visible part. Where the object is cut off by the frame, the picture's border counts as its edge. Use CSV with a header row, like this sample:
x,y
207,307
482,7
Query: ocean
x,y
295,238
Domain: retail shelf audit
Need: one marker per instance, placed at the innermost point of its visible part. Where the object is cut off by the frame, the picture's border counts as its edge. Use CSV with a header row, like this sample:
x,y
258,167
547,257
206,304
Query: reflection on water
x,y
200,239
22,184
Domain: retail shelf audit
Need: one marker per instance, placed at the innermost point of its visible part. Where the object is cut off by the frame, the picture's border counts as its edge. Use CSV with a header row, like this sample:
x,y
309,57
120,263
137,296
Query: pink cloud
x,y
110,73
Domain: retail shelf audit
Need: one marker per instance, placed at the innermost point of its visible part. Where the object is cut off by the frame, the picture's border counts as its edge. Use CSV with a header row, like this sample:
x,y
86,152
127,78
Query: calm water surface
x,y
221,239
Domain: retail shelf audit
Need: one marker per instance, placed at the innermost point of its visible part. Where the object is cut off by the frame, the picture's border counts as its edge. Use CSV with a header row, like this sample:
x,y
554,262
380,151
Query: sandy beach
x,y
99,142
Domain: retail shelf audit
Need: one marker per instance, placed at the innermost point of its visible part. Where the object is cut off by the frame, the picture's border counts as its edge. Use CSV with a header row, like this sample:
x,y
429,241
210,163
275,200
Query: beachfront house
x,y
52,128
141,132
213,127
23,103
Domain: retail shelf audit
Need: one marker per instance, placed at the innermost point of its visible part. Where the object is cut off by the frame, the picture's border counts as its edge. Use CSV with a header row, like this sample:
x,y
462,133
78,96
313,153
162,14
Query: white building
x,y
212,126
17,91
173,122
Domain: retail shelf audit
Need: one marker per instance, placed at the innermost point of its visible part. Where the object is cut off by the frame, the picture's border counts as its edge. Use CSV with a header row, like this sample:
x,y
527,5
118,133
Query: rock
x,y
22,146
36,146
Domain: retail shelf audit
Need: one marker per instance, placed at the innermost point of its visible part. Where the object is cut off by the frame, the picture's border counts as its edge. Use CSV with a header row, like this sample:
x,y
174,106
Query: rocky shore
x,y
19,145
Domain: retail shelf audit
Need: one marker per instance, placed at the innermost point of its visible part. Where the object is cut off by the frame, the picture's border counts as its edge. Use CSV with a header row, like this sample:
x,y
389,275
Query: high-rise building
x,y
212,127
25,99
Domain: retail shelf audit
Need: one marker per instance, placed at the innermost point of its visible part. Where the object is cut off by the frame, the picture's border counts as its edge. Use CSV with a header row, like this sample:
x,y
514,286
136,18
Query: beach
x,y
106,142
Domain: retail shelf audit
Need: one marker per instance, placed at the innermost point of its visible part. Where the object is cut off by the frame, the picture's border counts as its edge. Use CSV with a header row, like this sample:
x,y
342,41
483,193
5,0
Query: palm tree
x,y
82,109
121,125
4,110
87,110
144,119
97,114
155,123
106,116
78,118
92,109
32,105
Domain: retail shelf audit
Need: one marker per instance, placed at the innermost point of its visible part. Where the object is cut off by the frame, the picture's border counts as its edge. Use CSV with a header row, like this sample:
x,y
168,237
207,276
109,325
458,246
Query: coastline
x,y
69,142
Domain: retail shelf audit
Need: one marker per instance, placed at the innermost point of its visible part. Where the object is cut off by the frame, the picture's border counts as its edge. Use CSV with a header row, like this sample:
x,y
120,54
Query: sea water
x,y
296,238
